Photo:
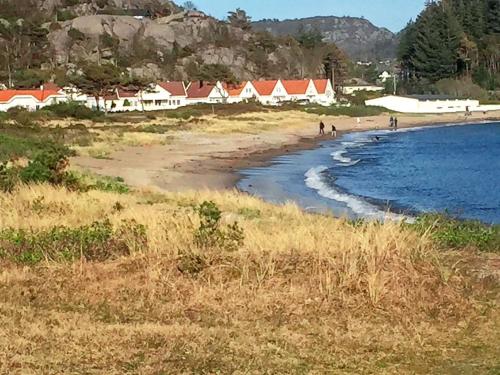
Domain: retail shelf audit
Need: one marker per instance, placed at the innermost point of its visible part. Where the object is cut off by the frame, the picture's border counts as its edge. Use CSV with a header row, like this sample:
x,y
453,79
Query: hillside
x,y
358,37
171,43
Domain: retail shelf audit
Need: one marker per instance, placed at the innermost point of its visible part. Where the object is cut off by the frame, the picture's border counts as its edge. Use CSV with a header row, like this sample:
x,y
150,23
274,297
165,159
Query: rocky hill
x,y
358,37
168,42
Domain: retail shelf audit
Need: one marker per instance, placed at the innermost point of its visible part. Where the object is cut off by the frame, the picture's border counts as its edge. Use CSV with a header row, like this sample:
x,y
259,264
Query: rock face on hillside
x,y
358,37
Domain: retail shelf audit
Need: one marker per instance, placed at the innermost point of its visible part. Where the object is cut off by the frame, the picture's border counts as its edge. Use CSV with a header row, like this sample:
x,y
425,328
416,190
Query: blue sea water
x,y
454,169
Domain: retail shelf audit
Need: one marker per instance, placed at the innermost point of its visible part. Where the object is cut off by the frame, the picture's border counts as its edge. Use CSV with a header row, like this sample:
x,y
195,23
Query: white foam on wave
x,y
359,206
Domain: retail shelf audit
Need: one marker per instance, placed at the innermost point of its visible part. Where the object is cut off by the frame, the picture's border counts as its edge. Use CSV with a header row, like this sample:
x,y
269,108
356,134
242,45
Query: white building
x,y
31,100
301,90
201,92
384,76
326,93
422,104
242,92
271,92
164,95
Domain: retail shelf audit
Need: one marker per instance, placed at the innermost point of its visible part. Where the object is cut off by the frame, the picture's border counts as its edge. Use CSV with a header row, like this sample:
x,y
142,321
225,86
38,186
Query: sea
x,y
396,175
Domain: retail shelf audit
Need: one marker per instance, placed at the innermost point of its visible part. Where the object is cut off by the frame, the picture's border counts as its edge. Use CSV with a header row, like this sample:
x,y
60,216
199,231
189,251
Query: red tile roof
x,y
40,95
265,87
235,89
198,90
321,85
296,87
174,88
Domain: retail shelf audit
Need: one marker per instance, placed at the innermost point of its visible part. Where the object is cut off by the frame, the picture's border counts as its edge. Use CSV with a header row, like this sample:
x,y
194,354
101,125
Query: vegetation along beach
x,y
182,193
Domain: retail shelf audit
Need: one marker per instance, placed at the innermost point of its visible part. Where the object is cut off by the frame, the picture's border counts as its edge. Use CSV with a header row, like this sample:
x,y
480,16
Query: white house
x,y
326,93
384,76
271,92
424,104
300,90
164,95
31,100
242,92
202,92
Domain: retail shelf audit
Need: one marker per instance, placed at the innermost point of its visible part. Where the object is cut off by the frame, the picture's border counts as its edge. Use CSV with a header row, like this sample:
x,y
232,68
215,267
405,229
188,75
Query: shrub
x,y
98,241
9,178
184,114
47,166
458,234
73,110
211,235
352,111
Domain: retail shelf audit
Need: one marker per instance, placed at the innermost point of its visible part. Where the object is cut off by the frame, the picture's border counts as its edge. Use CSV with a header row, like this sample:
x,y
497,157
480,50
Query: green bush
x,y
352,111
9,178
211,235
184,114
98,241
459,234
73,110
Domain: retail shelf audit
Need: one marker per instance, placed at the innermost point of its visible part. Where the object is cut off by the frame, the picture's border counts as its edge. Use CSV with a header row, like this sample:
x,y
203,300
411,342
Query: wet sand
x,y
198,160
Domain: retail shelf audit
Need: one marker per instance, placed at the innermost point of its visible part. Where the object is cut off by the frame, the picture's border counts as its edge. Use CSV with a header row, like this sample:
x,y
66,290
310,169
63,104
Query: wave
x,y
360,207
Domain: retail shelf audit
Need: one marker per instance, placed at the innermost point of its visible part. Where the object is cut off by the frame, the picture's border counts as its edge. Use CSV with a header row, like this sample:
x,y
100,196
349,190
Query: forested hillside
x,y
43,39
453,39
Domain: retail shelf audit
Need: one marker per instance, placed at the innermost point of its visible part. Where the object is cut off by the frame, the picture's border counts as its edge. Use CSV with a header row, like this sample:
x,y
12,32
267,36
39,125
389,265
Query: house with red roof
x,y
204,92
270,92
31,100
326,93
302,90
165,95
241,92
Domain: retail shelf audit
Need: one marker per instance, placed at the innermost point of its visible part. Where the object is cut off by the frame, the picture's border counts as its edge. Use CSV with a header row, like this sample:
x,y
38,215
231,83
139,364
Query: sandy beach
x,y
195,160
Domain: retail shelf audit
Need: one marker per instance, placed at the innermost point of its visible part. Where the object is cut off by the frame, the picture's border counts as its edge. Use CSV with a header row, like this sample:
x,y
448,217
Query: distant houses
x,y
172,95
31,100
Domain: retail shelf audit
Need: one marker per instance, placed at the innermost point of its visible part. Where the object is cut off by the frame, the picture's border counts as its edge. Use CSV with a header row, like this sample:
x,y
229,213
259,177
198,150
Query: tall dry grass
x,y
304,294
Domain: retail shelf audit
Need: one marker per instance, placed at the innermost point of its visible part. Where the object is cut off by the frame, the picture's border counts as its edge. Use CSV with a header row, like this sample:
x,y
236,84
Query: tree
x,y
309,39
214,73
240,19
98,81
140,84
189,5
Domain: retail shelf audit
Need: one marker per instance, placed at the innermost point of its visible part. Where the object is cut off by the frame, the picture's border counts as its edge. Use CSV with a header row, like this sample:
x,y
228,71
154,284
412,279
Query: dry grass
x,y
305,294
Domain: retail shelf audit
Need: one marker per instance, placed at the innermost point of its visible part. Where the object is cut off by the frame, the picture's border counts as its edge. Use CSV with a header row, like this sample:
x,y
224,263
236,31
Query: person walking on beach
x,y
321,128
395,123
391,122
358,120
334,131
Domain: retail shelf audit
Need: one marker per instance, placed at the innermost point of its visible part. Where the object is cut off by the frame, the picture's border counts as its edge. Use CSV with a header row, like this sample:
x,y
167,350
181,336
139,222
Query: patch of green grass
x,y
352,111
98,241
459,234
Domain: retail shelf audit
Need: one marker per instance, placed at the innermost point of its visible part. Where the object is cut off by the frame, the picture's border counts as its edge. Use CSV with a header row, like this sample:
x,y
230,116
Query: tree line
x,y
453,39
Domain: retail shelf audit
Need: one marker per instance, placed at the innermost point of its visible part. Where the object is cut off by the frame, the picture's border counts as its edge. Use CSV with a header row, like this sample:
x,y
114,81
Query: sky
x,y
392,14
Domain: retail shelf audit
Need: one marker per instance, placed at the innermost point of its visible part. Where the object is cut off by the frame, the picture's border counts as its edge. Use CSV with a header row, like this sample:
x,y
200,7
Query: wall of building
x,y
411,105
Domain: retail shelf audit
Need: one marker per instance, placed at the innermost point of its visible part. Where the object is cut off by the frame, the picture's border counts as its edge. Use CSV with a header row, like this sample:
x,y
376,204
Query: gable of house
x,y
279,90
265,88
175,88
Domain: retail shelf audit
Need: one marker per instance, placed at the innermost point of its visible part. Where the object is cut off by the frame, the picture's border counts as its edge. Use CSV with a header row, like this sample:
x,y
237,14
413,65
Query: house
x,y
425,104
242,92
271,92
353,89
301,90
31,100
202,92
384,76
326,93
120,101
165,95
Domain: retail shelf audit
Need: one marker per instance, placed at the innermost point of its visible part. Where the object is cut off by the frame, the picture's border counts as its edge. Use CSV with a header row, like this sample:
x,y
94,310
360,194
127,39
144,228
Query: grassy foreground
x,y
143,283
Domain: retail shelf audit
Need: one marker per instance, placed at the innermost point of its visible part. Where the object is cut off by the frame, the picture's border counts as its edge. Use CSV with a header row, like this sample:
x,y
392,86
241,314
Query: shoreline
x,y
196,160
266,157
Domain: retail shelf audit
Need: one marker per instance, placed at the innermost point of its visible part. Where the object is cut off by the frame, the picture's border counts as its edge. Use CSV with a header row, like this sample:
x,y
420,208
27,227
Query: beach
x,y
195,160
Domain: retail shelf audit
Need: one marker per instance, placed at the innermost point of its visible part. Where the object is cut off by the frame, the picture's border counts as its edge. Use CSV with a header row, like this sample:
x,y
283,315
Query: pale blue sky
x,y
393,14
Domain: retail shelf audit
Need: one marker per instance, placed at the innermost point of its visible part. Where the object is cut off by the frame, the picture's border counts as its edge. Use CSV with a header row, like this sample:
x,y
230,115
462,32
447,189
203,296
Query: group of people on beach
x,y
322,129
393,123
